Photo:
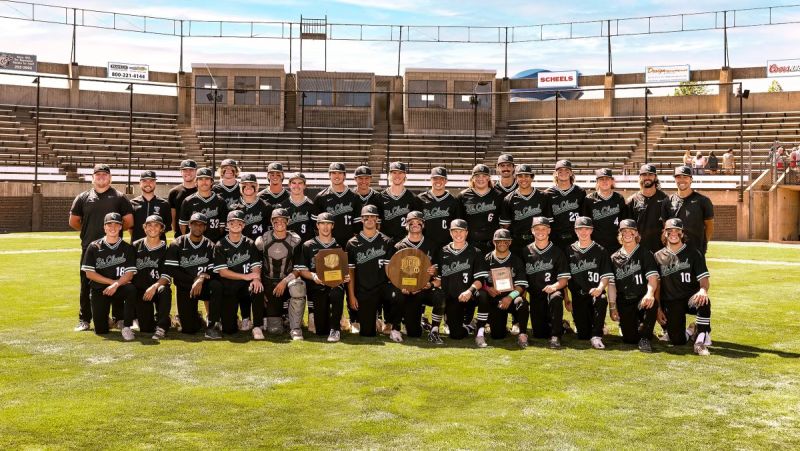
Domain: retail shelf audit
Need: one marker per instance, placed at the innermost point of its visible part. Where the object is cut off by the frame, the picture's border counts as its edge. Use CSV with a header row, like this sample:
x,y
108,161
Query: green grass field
x,y
62,389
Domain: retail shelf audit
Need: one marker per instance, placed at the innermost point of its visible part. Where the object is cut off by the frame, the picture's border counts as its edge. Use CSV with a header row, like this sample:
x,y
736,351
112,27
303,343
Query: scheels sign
x,y
564,79
783,68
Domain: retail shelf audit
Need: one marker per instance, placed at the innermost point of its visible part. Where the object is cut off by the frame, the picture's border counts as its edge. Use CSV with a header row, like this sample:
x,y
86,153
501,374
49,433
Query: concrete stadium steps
x,y
421,152
16,146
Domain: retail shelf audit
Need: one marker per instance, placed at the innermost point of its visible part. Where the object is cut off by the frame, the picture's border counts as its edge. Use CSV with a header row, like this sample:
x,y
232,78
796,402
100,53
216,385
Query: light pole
x,y
741,94
647,92
475,101
36,187
216,97
129,189
558,94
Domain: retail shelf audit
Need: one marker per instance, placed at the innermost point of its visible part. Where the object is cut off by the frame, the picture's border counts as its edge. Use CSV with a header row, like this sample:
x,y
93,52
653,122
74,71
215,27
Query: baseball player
x,y
275,193
396,202
607,208
566,200
227,188
412,304
179,193
148,204
507,182
366,195
209,204
256,210
480,205
439,208
645,208
151,281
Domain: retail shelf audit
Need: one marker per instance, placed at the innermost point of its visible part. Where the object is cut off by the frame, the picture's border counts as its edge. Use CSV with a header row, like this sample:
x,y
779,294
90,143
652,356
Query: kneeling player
x,y
548,273
498,304
684,288
110,263
590,267
412,304
238,263
151,282
636,281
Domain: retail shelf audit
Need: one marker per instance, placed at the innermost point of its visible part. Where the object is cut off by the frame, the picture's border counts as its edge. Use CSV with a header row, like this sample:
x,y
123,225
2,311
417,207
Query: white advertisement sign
x,y
666,74
563,79
127,71
783,68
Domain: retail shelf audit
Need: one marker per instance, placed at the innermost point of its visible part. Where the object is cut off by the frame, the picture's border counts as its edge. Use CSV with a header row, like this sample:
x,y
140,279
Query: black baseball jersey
x,y
109,260
681,272
545,266
256,216
693,211
278,255
309,251
425,245
175,198
566,207
606,213
371,198
149,264
300,217
230,194
458,269
271,198
142,208
510,261
215,209
394,211
368,257
482,213
92,208
505,191
631,272
438,212
345,208
185,260
647,212
240,257
518,212
587,266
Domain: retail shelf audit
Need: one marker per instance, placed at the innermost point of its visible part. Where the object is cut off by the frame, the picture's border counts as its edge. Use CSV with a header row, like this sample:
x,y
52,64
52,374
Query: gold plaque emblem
x,y
331,261
410,264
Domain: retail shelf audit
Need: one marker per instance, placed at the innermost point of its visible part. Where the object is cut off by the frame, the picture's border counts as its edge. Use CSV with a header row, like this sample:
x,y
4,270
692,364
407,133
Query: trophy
x,y
331,266
408,269
502,279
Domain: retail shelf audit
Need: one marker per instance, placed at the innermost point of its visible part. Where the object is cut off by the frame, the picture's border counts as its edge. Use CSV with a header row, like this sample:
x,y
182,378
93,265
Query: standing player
x,y
547,270
369,289
87,215
607,208
520,207
151,281
481,207
439,208
148,204
299,208
238,263
209,204
280,250
590,267
274,194
566,200
645,208
396,202
506,183
693,209
462,270
110,264
256,210
411,305
227,187
495,307
179,193
366,195
189,261
684,286
636,281
328,301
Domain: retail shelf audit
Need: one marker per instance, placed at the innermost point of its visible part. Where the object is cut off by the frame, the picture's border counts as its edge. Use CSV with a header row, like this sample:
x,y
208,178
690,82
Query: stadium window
x,y
427,94
270,91
205,89
319,91
244,90
353,93
462,100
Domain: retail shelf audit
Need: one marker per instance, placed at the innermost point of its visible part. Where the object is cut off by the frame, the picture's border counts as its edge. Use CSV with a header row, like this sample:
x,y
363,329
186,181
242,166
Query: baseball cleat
x,y
81,327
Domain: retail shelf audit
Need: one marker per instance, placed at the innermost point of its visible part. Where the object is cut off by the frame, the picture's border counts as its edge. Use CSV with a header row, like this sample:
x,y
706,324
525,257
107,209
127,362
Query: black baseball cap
x,y
154,218
415,215
362,171
480,169
279,213
205,173
101,168
297,175
674,223
627,224
584,221
505,158
647,168
199,217
336,167
235,215
370,210
398,166
112,218
229,162
148,175
683,170
604,172
501,235
439,171
275,167
563,164
522,169
188,164
248,177
456,224
325,217
540,220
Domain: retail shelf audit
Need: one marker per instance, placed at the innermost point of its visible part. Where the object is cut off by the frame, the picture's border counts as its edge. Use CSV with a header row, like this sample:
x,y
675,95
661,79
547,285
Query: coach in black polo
x,y
86,215
692,208
149,204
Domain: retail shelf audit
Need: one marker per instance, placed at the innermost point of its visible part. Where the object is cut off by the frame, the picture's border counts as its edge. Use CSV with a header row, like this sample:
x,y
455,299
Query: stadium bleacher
x,y
16,147
423,151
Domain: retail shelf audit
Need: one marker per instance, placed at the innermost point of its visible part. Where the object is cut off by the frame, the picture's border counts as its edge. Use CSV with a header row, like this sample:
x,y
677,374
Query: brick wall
x,y
725,223
56,213
15,214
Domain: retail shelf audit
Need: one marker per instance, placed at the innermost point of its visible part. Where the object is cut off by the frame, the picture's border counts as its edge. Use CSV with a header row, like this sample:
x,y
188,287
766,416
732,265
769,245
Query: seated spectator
x,y
793,157
728,163
781,159
699,164
687,158
713,163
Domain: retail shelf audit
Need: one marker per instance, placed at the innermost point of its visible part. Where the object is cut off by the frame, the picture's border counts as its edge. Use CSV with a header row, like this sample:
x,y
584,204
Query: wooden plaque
x,y
502,279
331,266
408,269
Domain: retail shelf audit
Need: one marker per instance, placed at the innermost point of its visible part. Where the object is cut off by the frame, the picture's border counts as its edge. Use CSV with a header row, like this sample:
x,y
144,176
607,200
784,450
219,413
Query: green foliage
x,y
775,87
690,88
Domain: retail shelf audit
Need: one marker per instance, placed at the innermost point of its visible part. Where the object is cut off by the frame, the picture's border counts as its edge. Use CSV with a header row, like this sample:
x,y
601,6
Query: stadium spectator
x,y
687,158
793,157
699,164
179,193
87,215
728,163
712,164
781,159
148,204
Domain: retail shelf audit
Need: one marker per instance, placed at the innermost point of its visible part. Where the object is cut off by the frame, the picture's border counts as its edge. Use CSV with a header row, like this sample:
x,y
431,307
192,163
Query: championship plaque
x,y
502,279
331,266
408,269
